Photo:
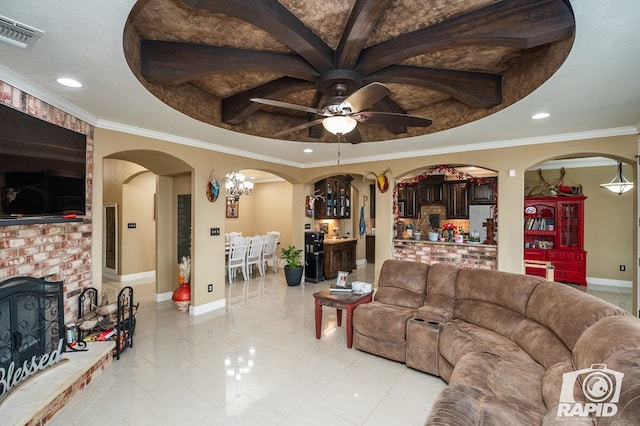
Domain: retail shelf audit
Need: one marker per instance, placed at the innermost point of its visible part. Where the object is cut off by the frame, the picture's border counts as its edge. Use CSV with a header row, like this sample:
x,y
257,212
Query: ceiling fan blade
x,y
300,127
354,136
365,97
288,105
391,119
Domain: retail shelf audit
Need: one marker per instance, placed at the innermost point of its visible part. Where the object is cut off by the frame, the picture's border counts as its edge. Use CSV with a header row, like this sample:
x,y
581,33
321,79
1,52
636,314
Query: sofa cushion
x,y
505,289
552,383
566,311
628,363
383,322
515,383
541,343
459,338
442,279
402,283
596,344
438,312
462,405
488,315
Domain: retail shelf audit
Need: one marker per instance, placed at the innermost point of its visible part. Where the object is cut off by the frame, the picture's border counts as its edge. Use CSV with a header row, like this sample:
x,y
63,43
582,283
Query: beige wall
x,y
206,214
269,208
131,187
137,207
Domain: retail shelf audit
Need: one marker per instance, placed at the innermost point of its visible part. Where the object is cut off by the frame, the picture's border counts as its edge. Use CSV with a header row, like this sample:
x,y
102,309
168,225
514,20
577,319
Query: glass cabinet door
x,y
570,231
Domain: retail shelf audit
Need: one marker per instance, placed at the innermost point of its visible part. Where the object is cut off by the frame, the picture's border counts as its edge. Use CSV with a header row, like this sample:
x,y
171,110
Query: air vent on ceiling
x,y
18,34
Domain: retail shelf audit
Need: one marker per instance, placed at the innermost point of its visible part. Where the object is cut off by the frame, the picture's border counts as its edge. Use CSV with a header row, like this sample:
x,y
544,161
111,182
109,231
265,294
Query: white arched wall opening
x,y
610,227
162,247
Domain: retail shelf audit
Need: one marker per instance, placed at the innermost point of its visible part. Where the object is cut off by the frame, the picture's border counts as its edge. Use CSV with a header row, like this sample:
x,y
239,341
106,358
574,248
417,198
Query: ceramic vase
x,y
182,297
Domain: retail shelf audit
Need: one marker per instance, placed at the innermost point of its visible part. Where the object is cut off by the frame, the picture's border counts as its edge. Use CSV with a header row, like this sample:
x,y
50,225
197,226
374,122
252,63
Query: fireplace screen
x,y
31,321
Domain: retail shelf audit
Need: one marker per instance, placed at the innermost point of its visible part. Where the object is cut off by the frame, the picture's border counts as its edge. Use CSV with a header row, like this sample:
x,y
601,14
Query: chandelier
x,y
236,185
619,184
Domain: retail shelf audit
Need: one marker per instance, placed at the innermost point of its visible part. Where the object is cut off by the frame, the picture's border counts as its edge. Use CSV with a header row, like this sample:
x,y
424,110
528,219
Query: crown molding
x,y
44,95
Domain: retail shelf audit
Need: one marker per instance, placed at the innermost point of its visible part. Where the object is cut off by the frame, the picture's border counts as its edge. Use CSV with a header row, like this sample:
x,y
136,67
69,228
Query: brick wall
x,y
464,255
56,251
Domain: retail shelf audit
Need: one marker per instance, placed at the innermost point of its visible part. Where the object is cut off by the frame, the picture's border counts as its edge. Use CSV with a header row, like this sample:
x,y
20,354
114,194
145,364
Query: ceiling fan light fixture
x,y
619,184
339,124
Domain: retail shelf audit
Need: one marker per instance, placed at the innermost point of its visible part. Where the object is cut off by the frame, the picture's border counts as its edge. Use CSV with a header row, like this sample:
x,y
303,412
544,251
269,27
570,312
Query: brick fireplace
x,y
58,251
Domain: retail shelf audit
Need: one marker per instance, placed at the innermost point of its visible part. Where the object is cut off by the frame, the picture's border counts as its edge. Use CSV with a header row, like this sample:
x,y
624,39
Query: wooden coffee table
x,y
340,301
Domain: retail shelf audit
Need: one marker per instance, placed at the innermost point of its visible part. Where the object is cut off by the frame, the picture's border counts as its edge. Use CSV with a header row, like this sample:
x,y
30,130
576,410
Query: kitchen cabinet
x,y
339,256
554,232
483,193
337,193
457,199
407,201
371,248
430,191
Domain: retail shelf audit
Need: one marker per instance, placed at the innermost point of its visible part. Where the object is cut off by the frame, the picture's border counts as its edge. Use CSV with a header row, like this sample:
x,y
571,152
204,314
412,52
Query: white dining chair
x,y
269,252
237,257
228,236
254,254
276,233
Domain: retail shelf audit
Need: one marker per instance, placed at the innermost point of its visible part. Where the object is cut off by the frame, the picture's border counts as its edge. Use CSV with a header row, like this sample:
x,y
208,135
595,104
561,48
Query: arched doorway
x,y
609,220
146,186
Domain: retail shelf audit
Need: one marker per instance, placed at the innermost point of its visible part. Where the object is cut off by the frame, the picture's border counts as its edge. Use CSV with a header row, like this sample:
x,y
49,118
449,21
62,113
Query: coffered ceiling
x,y
185,70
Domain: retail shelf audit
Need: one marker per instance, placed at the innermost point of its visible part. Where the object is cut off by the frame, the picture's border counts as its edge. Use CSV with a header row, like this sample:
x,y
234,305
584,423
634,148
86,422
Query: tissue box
x,y
361,287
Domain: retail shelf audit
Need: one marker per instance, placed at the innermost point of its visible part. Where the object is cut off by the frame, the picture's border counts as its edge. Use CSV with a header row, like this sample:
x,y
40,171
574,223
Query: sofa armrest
x,y
433,313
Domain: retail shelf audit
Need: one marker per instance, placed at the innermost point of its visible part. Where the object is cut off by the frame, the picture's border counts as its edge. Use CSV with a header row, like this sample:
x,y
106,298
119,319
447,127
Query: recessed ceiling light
x,y
69,82
307,150
540,116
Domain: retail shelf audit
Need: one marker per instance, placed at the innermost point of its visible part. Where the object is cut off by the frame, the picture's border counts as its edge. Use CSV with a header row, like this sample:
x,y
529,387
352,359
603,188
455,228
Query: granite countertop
x,y
338,240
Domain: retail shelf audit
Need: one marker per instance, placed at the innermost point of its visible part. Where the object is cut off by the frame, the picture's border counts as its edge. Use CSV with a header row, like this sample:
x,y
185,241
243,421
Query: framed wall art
x,y
232,208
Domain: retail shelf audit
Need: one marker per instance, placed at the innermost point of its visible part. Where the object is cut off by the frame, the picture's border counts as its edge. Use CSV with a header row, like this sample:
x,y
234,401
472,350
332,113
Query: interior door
x,y
110,238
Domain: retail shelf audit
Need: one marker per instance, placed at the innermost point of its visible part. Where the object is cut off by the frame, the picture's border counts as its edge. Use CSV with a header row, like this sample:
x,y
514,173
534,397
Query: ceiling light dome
x,y
339,124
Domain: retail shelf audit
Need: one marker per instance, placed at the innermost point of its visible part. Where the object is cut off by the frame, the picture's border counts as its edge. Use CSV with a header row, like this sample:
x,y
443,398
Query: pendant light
x,y
619,184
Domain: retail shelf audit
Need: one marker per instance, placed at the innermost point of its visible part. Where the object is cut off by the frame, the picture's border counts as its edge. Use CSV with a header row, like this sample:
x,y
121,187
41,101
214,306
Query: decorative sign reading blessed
x,y
12,376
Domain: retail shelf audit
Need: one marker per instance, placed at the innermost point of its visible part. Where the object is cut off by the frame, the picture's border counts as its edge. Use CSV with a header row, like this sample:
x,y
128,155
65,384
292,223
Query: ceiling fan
x,y
341,118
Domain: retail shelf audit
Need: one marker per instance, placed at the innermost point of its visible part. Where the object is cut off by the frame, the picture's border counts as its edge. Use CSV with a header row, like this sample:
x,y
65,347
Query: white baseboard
x,y
605,284
148,275
163,297
207,307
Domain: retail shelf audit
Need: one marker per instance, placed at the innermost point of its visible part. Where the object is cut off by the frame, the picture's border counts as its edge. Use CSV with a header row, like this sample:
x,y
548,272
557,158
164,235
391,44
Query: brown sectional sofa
x,y
503,342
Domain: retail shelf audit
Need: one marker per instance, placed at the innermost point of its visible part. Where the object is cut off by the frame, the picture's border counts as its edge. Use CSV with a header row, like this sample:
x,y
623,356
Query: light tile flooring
x,y
257,362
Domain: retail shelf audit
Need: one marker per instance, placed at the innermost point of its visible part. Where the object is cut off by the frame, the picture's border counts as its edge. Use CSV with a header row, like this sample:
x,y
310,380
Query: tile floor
x,y
255,363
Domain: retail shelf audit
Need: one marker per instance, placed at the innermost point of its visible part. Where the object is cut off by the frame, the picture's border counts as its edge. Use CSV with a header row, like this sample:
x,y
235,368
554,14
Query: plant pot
x,y
293,276
182,297
433,236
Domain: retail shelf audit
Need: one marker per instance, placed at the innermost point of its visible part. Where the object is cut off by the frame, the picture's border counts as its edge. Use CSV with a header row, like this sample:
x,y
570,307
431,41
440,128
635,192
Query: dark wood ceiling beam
x,y
174,63
514,23
363,19
279,22
476,89
235,109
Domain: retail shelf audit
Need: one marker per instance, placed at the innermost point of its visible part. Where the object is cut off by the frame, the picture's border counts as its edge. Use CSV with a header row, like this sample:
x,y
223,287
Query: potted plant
x,y
293,265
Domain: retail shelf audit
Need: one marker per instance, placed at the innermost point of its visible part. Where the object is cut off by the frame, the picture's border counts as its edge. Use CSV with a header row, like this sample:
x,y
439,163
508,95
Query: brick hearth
x,y
38,399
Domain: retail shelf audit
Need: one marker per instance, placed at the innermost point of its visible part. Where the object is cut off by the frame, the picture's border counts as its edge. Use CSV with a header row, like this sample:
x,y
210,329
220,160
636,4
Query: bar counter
x,y
471,255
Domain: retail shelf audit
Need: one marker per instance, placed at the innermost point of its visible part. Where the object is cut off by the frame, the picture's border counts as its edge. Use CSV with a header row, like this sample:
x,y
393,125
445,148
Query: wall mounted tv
x,y
42,167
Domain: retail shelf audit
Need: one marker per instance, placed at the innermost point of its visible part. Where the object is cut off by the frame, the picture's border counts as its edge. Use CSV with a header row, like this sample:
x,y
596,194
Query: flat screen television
x,y
42,167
